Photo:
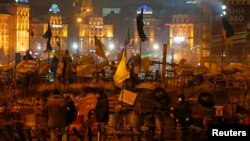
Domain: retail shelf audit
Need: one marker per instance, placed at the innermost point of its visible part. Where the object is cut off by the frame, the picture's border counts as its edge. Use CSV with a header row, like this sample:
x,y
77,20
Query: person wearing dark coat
x,y
27,77
56,107
102,107
101,110
67,67
183,113
162,101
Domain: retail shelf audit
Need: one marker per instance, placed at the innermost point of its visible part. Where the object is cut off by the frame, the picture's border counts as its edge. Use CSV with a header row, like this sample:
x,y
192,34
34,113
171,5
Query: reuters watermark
x,y
241,132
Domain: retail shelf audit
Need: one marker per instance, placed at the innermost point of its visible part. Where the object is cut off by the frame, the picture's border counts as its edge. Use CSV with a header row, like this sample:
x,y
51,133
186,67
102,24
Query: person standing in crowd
x,y
101,111
162,101
71,110
67,67
183,113
89,124
27,78
28,56
71,114
133,66
56,106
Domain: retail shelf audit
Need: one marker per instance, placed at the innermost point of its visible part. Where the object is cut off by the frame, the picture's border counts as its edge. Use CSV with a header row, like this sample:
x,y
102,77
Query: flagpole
x,y
221,64
227,55
139,70
96,64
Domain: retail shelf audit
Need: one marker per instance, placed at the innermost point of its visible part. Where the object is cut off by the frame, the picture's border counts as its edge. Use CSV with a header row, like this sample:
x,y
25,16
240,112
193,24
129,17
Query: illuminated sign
x,y
54,8
146,9
56,26
181,35
22,1
106,11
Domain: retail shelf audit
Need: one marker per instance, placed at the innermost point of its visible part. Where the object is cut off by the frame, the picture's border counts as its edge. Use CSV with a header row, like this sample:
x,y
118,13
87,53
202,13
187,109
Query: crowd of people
x,y
58,106
62,112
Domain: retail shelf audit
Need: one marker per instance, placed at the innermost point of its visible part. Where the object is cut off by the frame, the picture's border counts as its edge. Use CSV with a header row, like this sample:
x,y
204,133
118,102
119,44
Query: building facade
x,y
182,39
91,26
59,35
4,36
15,27
95,27
211,40
19,34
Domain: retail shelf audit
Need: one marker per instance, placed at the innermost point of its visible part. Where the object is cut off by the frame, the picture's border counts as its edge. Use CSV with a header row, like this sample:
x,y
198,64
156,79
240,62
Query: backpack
x,y
71,111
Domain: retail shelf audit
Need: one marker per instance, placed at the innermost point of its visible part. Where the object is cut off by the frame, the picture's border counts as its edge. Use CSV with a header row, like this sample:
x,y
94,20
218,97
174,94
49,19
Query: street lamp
x,y
79,20
75,46
156,46
111,46
79,40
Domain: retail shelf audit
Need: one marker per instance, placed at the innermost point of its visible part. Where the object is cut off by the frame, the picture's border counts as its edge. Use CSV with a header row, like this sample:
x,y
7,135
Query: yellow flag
x,y
98,49
121,72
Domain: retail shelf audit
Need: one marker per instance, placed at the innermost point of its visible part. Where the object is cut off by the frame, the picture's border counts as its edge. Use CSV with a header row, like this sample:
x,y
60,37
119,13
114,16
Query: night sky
x,y
40,7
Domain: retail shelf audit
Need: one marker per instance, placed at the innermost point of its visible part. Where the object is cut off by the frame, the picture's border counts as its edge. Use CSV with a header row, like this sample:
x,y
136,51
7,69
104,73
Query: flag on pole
x,y
48,35
32,33
127,47
227,32
140,24
121,72
99,49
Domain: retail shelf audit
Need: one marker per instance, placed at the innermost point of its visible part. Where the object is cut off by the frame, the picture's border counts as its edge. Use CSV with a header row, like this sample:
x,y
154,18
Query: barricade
x,y
30,120
78,124
245,120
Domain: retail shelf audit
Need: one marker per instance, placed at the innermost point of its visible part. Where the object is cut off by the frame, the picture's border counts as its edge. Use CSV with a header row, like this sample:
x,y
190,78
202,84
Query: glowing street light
x,y
223,7
156,46
75,46
79,20
111,46
39,47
